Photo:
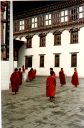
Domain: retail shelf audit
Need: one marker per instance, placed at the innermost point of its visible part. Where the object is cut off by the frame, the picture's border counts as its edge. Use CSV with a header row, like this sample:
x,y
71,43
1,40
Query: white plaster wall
x,y
5,74
65,50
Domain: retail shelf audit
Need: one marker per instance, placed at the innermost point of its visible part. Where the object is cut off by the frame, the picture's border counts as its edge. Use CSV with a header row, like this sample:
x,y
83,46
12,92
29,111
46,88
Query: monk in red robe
x,y
30,74
75,80
54,74
15,81
20,76
62,77
51,86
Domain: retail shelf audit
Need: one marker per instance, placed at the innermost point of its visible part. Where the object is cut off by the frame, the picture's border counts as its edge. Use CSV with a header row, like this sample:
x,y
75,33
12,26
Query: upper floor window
x,y
81,12
42,39
64,16
29,41
34,22
21,26
48,19
57,38
74,14
74,36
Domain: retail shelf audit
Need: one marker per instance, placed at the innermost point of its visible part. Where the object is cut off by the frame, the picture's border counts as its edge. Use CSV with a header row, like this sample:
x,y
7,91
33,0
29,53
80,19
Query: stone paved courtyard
x,y
30,108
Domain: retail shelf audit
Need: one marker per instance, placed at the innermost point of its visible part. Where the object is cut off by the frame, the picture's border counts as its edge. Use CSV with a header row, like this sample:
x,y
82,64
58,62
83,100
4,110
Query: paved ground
x,y
30,108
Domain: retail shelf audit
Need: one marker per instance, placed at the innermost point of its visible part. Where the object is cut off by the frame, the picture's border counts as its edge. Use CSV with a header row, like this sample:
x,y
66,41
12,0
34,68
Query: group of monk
x,y
51,82
16,78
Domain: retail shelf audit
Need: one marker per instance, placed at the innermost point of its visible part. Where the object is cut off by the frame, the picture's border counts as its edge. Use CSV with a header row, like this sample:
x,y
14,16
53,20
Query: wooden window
x,y
57,39
74,60
21,25
57,59
34,22
41,60
42,41
81,12
74,14
28,61
74,36
29,43
48,19
64,16
56,18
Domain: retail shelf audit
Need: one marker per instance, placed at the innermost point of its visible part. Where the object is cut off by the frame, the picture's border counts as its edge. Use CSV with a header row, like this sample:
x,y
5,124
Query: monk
x,y
62,77
51,86
54,74
30,74
75,80
15,81
20,76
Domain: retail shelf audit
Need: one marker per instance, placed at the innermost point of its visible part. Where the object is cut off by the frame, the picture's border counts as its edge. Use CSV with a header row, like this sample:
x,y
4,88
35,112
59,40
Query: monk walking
x,y
15,81
62,77
75,80
51,86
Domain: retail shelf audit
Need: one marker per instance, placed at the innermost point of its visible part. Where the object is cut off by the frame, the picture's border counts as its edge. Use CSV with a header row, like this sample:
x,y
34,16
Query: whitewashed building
x,y
53,37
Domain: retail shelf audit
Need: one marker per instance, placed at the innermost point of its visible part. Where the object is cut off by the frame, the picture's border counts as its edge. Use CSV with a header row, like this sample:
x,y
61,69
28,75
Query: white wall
x,y
5,74
65,50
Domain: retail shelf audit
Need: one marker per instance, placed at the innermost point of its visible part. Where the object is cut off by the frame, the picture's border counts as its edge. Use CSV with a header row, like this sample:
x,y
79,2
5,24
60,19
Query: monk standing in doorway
x,y
75,80
51,86
62,77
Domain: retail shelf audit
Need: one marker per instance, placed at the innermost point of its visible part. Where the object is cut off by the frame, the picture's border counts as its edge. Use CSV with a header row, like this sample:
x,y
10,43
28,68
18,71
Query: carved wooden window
x,y
34,22
41,60
29,43
28,61
81,12
74,37
42,41
21,25
64,16
57,60
48,19
74,14
57,39
15,55
56,18
74,60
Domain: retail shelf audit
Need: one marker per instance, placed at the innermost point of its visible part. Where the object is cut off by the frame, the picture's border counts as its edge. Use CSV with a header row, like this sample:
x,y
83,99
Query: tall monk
x,y
75,80
54,74
15,81
51,86
20,76
62,77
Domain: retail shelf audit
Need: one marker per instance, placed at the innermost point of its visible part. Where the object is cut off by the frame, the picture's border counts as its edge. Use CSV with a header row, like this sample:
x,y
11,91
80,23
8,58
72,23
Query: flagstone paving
x,y
30,108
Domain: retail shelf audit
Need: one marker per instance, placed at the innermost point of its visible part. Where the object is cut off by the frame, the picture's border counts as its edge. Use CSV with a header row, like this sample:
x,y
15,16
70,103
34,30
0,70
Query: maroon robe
x,y
62,78
75,80
50,86
14,82
20,77
30,75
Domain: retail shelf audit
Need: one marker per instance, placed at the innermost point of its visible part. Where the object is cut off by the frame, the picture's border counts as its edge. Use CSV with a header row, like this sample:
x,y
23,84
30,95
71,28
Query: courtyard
x,y
30,108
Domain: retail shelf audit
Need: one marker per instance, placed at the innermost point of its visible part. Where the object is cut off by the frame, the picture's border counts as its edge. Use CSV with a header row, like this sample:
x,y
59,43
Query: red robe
x,y
14,82
75,80
20,77
62,78
30,75
50,86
